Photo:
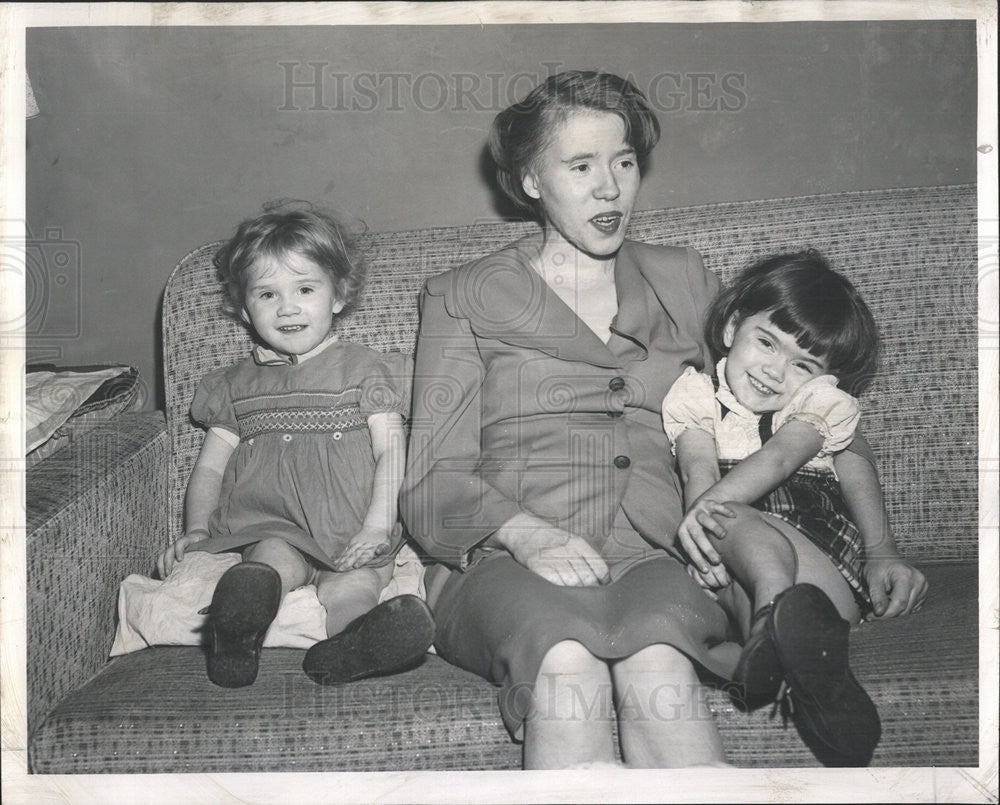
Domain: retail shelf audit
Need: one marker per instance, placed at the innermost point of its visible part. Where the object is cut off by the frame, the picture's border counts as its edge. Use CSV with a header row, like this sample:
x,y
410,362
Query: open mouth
x,y
292,328
759,387
607,222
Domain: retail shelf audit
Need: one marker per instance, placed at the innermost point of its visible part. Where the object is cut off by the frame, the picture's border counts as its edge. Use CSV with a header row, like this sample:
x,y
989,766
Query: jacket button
x,y
622,462
617,383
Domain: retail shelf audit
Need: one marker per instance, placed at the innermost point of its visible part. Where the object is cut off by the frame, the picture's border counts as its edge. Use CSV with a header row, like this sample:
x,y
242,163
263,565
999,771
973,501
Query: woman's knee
x,y
571,658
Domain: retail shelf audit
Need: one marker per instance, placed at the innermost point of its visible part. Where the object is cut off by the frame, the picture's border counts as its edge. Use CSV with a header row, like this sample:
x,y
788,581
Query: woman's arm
x,y
389,451
200,499
896,586
446,504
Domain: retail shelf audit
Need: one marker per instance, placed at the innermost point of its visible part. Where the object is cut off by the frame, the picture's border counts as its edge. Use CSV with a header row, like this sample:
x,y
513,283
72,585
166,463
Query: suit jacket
x,y
519,406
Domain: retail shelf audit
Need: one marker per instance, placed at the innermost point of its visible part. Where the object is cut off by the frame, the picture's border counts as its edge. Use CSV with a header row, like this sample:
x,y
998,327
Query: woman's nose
x,y
607,187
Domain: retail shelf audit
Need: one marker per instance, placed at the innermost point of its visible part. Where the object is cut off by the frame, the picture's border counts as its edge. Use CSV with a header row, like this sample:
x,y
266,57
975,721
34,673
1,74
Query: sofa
x,y
105,505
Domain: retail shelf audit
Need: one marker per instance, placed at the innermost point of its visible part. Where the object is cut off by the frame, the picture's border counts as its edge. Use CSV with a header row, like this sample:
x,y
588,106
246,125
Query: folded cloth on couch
x,y
152,612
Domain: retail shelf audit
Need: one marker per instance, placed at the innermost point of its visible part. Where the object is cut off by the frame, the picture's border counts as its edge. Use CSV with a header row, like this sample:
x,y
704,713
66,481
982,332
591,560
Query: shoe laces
x,y
785,703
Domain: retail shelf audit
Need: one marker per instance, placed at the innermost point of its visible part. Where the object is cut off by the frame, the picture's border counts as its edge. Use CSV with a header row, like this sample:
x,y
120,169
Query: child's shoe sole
x,y
834,714
244,604
389,638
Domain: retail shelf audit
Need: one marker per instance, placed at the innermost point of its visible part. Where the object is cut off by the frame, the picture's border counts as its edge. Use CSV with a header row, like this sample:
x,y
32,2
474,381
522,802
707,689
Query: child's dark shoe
x,y
758,673
389,638
834,715
244,604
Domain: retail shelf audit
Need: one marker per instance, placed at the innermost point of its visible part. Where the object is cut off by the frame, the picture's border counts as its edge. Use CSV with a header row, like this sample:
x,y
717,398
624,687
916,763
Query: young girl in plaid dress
x,y
758,449
302,460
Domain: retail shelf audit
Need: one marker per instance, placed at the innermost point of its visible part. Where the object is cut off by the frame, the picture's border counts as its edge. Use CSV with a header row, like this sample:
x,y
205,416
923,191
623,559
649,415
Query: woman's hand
x,y
693,531
896,587
554,554
366,545
175,553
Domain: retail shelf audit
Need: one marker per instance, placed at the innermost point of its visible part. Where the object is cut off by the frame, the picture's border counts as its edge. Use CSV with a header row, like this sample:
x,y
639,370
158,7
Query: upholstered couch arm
x,y
96,513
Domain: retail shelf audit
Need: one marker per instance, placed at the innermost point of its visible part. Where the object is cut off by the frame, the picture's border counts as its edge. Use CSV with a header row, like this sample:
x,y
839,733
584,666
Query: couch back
x,y
911,253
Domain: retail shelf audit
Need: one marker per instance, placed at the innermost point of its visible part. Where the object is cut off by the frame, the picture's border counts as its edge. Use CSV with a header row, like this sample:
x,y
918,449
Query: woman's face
x,y
587,179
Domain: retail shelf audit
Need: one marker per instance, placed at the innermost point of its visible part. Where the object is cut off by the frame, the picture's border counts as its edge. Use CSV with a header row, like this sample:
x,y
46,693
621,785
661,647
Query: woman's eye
x,y
764,343
266,295
581,168
627,163
803,367
305,289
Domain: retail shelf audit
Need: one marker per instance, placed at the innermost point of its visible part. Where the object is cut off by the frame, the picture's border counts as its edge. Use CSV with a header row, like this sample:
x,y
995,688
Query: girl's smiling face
x,y
290,302
587,179
765,366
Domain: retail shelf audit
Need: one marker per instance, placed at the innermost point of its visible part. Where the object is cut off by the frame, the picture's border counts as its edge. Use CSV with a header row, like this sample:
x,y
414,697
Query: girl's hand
x,y
709,582
175,553
693,531
896,587
365,546
554,554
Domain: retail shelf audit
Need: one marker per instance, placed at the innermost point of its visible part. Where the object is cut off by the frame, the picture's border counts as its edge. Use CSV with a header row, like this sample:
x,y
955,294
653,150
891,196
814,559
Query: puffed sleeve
x,y
690,403
446,503
833,412
386,385
212,406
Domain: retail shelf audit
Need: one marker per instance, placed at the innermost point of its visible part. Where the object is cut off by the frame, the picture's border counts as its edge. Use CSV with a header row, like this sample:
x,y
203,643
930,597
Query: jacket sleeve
x,y
448,507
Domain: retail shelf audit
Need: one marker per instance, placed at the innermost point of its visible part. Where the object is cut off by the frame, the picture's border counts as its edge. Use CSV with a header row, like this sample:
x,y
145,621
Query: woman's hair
x,y
811,302
521,132
280,230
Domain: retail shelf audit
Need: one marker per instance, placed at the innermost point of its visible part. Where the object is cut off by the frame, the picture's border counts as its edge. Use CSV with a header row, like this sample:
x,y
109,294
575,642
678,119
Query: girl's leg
x,y
289,563
767,555
663,718
350,594
570,719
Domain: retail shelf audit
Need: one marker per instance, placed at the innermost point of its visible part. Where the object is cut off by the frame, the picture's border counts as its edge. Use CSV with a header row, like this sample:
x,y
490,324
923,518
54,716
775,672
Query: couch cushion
x,y
155,710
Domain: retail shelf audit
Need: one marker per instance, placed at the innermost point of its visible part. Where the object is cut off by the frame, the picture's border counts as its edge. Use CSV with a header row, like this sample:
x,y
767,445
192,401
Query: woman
x,y
538,467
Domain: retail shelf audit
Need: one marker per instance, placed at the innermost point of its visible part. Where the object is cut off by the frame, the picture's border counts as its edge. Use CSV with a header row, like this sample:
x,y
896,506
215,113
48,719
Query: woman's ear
x,y
529,183
729,331
338,305
245,316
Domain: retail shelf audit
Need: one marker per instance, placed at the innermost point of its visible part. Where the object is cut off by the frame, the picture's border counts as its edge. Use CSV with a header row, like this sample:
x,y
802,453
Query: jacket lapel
x,y
503,298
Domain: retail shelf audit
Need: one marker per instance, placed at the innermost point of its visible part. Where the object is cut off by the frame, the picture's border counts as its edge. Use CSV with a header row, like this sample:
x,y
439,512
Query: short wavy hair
x,y
522,131
813,303
312,233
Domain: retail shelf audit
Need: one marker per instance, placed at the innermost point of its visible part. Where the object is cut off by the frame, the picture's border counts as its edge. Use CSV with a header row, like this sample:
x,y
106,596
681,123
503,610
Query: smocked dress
x,y
302,469
519,407
810,500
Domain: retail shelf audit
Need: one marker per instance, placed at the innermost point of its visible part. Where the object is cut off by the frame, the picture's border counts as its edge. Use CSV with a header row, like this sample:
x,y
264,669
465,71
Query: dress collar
x,y
725,395
264,356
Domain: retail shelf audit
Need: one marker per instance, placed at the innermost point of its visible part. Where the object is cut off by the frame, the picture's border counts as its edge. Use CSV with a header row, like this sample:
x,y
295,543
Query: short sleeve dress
x,y
302,469
810,500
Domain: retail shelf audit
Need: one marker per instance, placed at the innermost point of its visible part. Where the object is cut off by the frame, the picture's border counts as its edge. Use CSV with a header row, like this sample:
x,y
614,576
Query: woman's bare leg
x,y
571,718
663,718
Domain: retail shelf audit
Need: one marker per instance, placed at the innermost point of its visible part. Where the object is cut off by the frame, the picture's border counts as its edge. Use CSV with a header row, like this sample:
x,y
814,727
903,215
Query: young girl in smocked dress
x,y
791,331
302,461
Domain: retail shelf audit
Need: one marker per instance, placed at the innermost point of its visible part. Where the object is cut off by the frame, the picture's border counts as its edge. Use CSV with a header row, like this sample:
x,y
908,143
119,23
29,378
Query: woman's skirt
x,y
498,619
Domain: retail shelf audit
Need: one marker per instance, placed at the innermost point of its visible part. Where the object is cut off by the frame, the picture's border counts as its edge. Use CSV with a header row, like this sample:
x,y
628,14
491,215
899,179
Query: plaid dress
x,y
810,500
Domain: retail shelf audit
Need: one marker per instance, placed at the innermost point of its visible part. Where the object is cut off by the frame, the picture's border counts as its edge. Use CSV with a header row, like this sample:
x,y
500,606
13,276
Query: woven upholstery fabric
x,y
911,252
921,672
96,512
